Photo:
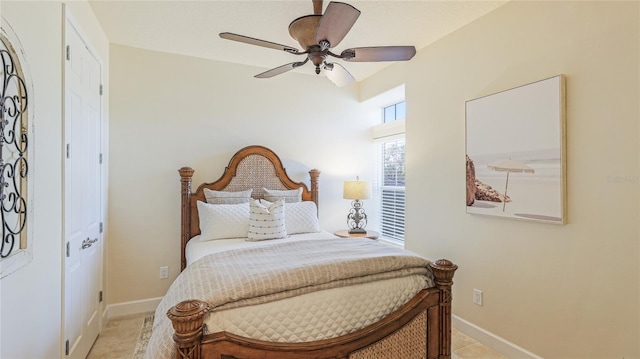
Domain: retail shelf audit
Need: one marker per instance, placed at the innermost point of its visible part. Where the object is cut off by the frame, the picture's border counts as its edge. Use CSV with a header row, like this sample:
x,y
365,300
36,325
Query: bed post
x,y
187,319
443,271
314,173
185,194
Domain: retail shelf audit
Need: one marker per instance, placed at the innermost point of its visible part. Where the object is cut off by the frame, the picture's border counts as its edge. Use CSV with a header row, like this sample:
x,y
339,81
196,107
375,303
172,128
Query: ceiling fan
x,y
319,33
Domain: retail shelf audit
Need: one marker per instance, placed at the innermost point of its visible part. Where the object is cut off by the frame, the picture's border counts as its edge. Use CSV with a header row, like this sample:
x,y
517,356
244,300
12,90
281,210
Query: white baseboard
x,y
133,307
491,340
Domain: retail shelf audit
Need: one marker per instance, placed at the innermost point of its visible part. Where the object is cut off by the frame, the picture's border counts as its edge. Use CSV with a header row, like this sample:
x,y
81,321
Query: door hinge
x,y
100,89
68,249
100,297
66,347
100,159
68,150
68,52
101,227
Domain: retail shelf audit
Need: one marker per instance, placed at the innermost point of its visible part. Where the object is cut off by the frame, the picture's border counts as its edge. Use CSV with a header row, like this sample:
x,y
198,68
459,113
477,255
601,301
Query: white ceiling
x,y
192,27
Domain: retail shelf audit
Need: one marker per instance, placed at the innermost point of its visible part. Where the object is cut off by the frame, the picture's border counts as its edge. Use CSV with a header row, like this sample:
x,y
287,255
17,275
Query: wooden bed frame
x,y
421,328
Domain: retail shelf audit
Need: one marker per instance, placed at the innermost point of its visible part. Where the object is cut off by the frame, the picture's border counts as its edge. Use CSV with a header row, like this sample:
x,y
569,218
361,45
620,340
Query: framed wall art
x,y
515,147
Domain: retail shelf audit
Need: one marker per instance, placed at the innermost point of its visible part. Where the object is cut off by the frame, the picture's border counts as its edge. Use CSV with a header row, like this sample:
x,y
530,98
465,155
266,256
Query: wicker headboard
x,y
253,167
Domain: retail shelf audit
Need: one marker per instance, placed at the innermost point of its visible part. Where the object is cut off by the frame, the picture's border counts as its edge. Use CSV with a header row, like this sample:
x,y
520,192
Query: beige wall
x,y
33,294
169,111
559,291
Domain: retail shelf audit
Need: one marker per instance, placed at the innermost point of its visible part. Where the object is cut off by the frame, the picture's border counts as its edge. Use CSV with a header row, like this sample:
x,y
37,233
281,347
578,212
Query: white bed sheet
x,y
314,316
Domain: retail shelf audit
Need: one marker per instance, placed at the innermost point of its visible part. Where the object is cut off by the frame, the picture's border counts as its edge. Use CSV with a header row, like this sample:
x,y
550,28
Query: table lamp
x,y
357,190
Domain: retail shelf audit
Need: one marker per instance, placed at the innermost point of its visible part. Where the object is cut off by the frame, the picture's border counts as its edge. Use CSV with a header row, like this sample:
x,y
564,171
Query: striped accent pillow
x,y
266,222
300,217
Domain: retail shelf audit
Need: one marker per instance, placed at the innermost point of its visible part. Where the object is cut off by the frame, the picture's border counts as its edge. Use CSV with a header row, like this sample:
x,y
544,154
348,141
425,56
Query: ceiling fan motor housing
x,y
303,30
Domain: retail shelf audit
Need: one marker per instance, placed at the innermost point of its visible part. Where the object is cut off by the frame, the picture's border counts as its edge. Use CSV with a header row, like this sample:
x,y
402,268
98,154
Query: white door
x,y
82,183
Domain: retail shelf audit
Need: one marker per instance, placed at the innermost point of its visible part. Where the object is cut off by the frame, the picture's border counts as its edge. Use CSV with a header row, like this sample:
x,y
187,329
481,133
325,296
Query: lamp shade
x,y
356,190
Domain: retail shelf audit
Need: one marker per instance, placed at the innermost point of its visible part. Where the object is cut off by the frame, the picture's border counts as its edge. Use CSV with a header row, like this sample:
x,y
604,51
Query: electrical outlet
x,y
164,272
477,296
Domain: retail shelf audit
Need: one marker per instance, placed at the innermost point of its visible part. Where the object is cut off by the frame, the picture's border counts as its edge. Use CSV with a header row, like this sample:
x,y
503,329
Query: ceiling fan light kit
x,y
317,34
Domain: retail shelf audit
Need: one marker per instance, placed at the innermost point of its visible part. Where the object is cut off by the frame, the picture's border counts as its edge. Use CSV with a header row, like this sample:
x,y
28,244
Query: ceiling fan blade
x,y
257,42
279,70
338,74
382,53
336,23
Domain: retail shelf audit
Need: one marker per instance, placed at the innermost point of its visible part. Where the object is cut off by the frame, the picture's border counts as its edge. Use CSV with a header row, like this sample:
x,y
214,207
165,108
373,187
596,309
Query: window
x,y
16,156
391,173
394,112
392,189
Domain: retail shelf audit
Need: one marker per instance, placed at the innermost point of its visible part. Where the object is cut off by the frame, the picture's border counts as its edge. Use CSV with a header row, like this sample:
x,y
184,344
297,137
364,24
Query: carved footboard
x,y
419,329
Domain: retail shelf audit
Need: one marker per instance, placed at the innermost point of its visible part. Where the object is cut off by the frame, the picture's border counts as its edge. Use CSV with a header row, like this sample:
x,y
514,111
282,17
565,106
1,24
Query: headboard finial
x,y
186,173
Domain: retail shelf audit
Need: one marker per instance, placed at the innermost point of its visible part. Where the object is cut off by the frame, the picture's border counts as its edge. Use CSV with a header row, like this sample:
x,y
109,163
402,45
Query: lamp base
x,y
357,231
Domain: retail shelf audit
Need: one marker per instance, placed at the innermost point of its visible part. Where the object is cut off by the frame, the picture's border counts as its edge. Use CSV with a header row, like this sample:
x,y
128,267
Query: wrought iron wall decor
x,y
14,143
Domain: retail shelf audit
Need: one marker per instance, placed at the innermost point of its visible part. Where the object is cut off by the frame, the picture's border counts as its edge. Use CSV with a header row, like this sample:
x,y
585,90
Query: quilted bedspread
x,y
251,276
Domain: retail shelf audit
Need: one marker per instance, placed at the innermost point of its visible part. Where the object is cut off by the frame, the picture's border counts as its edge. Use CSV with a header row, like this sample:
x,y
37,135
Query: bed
x,y
402,309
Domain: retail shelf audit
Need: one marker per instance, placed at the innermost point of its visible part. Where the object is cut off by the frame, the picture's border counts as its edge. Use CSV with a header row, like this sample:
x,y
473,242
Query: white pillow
x,y
219,221
226,197
266,222
289,196
300,217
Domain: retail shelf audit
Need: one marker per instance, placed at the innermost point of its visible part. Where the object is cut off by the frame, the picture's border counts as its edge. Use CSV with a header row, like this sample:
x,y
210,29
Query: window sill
x,y
17,260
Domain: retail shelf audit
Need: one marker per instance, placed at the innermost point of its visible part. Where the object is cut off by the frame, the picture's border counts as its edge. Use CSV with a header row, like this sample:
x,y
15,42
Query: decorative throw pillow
x,y
266,222
218,221
289,196
300,217
226,197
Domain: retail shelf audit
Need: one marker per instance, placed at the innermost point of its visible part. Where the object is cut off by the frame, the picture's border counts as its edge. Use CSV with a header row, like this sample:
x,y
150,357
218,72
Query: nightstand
x,y
345,234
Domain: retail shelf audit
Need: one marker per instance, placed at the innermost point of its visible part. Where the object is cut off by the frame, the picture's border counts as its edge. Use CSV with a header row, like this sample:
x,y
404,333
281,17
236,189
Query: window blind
x,y
393,189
